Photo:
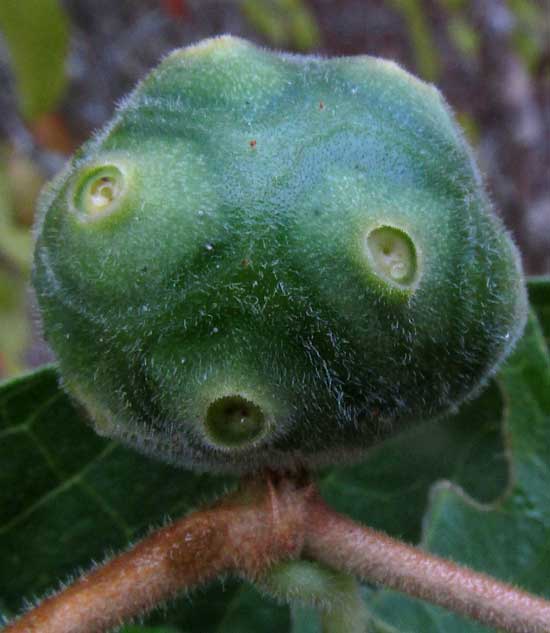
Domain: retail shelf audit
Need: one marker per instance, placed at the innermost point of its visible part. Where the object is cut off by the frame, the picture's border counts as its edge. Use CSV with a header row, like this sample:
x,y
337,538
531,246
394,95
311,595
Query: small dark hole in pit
x,y
234,421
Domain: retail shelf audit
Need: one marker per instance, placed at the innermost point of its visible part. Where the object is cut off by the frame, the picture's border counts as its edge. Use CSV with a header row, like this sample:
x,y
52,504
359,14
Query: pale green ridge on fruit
x,y
273,260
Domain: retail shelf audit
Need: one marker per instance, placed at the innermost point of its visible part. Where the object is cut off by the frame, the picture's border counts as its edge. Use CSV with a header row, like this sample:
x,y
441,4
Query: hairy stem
x,y
372,556
334,594
265,522
238,534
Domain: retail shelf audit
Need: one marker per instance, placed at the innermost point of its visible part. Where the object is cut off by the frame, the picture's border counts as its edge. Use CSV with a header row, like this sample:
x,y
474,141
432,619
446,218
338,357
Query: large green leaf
x,y
68,497
509,538
37,33
539,296
390,489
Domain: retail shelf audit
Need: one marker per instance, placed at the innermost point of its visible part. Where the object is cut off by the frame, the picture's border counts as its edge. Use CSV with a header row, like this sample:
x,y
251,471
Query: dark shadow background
x,y
491,59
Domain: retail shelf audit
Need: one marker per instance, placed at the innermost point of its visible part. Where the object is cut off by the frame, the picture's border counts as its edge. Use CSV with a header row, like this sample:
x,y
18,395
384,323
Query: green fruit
x,y
269,260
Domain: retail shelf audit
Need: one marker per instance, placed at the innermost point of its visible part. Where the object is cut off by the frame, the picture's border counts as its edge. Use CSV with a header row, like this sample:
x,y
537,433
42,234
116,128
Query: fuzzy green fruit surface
x,y
269,260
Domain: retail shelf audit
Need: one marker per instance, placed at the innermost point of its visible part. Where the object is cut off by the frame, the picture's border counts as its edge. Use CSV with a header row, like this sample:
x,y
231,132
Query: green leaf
x,y
68,497
509,538
37,34
305,620
284,23
539,297
422,40
530,34
64,491
250,611
390,489
464,36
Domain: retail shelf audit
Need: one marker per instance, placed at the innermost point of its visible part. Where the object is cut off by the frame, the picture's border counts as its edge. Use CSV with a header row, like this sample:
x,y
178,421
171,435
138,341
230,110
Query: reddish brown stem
x,y
263,523
238,534
372,556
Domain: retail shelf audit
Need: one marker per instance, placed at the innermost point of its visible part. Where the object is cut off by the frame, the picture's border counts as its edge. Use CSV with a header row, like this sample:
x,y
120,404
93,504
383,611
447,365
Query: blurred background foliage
x,y
65,63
